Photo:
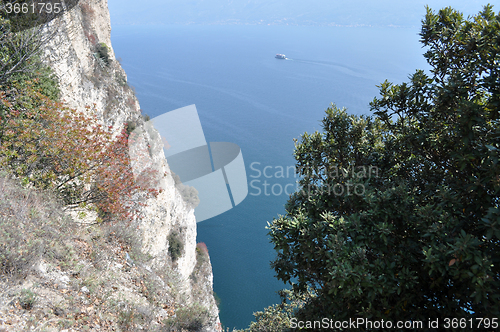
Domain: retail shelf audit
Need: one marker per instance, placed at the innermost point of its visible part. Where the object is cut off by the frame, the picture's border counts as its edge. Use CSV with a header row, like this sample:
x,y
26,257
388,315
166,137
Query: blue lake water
x,y
246,96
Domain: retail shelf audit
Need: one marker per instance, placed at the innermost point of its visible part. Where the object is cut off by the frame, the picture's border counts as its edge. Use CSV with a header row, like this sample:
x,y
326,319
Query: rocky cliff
x,y
154,269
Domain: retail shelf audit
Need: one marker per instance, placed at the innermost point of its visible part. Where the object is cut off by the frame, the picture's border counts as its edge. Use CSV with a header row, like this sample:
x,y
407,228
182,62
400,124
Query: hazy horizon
x,y
399,13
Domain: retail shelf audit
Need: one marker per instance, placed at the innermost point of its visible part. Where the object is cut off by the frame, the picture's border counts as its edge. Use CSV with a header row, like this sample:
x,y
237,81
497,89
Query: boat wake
x,y
340,67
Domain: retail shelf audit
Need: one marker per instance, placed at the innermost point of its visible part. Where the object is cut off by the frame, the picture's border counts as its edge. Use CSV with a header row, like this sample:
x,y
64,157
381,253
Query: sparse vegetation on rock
x,y
63,173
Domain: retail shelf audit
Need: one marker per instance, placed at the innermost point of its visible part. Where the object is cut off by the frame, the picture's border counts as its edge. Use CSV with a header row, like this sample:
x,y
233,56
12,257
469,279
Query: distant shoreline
x,y
231,22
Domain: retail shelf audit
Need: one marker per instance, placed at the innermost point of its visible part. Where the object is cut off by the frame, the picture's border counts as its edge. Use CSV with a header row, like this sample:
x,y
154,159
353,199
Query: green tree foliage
x,y
415,233
278,317
41,79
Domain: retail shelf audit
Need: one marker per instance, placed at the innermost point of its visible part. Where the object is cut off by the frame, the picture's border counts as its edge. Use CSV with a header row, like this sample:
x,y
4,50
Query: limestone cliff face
x,y
88,76
84,77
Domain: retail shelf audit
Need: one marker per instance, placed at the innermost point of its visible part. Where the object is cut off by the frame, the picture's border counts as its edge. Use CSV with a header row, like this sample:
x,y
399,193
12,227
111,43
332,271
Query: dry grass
x,y
31,225
56,274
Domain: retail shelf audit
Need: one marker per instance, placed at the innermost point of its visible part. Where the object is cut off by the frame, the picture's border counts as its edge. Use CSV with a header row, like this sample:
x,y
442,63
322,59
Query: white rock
x,y
41,267
64,279
70,54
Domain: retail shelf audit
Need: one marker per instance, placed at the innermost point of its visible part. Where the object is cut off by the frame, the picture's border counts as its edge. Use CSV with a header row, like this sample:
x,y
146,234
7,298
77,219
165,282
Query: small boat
x,y
280,56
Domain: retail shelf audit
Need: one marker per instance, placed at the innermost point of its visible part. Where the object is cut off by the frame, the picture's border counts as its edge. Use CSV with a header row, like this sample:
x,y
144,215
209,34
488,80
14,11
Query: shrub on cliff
x,y
41,79
53,147
175,245
20,47
190,318
103,53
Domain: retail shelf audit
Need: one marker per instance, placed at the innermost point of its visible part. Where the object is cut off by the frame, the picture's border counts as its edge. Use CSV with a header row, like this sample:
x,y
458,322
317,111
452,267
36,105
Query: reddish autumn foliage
x,y
54,147
202,247
91,37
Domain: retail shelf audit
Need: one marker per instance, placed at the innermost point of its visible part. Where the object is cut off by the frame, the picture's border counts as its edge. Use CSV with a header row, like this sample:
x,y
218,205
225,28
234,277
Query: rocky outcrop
x,y
83,59
58,275
86,75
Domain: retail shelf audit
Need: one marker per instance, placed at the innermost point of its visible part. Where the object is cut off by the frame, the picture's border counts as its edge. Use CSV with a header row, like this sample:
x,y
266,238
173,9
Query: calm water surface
x,y
246,96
